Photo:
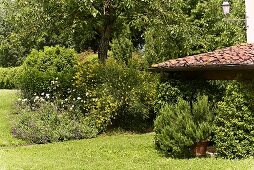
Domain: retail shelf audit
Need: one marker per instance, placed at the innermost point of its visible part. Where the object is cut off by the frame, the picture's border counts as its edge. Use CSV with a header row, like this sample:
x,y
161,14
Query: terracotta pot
x,y
199,148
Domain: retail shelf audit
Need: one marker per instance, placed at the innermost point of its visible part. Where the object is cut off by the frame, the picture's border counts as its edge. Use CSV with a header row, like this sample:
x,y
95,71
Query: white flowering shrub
x,y
50,71
64,99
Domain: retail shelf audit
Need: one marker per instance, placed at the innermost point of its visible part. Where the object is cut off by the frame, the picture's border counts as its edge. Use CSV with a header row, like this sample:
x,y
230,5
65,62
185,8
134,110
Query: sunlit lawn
x,y
122,151
7,98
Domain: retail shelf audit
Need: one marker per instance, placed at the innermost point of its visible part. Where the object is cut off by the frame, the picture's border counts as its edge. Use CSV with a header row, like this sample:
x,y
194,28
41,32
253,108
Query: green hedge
x,y
234,135
9,77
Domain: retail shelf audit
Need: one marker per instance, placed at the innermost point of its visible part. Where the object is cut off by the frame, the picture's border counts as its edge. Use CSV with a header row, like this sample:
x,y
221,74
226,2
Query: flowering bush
x,y
56,87
115,94
45,122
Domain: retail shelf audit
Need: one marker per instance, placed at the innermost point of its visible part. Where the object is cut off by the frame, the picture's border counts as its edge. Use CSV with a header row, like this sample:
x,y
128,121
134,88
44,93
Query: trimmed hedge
x,y
9,77
234,135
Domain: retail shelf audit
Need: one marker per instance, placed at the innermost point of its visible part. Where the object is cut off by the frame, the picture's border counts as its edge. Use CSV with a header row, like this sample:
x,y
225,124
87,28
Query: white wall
x,y
250,20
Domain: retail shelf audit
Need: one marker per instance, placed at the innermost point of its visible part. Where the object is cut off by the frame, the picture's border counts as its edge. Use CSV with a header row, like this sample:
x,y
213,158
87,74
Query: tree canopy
x,y
162,28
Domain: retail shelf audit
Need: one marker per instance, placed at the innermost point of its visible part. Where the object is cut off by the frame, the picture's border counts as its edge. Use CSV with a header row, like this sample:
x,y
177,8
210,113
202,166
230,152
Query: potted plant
x,y
183,130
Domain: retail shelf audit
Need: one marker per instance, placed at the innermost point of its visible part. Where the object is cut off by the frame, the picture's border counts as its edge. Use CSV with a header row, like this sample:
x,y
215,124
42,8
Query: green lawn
x,y
7,97
125,151
106,152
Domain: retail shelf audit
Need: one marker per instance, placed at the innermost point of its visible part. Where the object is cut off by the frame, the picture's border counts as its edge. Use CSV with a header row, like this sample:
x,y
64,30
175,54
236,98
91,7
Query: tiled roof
x,y
239,55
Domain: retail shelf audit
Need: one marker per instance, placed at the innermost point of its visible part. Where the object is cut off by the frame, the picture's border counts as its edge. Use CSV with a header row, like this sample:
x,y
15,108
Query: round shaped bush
x,y
50,71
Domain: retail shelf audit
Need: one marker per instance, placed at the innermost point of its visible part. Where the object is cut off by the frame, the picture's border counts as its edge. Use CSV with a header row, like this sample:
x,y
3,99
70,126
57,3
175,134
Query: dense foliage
x,y
9,77
234,122
162,28
45,70
117,94
71,23
46,122
82,97
186,27
170,90
178,126
82,94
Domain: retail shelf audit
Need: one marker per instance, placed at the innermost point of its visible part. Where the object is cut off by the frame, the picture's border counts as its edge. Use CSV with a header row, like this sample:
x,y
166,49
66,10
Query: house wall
x,y
250,20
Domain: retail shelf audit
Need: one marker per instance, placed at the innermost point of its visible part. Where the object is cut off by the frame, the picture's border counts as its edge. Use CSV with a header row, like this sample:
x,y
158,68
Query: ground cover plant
x,y
49,123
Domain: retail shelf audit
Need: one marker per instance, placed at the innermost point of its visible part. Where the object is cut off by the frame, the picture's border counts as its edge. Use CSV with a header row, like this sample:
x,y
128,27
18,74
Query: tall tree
x,y
80,24
188,27
173,28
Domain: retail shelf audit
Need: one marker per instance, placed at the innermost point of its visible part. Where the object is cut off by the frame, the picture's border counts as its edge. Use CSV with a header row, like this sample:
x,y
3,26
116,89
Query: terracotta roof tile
x,y
235,55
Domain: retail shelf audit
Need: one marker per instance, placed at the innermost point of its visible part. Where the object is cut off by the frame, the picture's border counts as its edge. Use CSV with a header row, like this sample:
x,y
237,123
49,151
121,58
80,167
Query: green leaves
x,y
191,27
121,96
42,67
177,128
234,122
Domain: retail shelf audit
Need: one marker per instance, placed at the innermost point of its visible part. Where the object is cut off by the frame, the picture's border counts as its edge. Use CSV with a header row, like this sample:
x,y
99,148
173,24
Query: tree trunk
x,y
106,32
104,47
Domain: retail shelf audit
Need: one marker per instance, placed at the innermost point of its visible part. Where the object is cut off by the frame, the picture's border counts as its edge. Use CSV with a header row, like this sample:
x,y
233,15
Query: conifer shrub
x,y
178,128
234,135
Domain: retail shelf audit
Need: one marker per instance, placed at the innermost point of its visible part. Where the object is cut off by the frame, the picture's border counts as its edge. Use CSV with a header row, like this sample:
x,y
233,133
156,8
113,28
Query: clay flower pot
x,y
199,148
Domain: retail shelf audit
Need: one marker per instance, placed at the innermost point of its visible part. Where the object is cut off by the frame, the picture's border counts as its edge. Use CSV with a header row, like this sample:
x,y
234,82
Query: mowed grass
x,y
7,98
107,152
122,151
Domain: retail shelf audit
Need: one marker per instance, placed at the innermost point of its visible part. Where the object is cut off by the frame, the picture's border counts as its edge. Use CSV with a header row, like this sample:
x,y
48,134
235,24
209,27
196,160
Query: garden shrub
x,y
177,127
9,77
41,69
117,94
46,122
169,91
234,135
106,95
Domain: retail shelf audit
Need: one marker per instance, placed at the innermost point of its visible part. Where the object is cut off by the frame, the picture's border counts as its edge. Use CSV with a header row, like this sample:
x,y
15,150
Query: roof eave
x,y
203,68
